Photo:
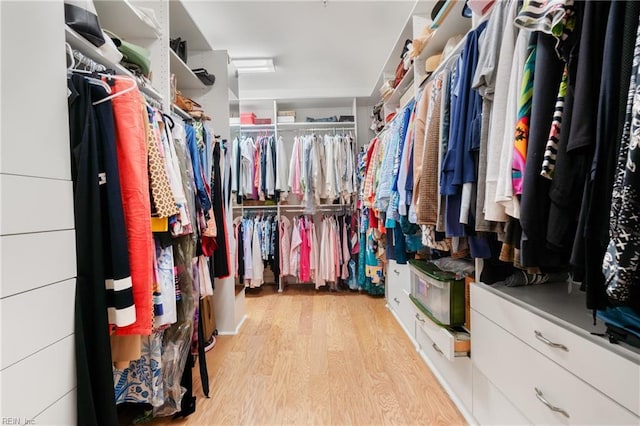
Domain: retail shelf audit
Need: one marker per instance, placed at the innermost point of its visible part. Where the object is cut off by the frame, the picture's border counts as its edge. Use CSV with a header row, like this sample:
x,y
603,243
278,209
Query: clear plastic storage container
x,y
438,293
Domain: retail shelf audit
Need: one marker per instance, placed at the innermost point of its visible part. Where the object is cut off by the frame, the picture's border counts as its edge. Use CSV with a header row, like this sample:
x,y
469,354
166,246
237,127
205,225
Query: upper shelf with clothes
x,y
426,32
88,50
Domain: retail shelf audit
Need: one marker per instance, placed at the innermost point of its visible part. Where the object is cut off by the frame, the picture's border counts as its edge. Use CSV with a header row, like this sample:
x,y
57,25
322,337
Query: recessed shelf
x,y
402,87
186,79
454,24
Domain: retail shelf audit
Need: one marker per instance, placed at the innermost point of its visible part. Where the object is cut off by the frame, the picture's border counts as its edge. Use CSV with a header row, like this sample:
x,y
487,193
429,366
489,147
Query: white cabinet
x,y
602,368
398,287
545,392
172,19
549,370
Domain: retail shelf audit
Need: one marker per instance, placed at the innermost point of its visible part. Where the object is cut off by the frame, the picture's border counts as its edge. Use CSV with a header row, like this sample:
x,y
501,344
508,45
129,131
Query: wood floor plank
x,y
307,357
386,401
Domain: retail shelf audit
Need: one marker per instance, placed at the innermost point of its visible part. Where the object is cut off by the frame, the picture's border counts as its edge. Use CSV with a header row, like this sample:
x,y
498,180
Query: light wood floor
x,y
305,358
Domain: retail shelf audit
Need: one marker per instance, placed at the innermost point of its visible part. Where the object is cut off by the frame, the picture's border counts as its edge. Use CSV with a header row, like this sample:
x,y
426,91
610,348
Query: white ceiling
x,y
336,51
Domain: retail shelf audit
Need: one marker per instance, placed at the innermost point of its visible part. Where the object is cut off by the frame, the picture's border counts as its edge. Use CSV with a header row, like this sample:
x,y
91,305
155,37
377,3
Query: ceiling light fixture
x,y
246,66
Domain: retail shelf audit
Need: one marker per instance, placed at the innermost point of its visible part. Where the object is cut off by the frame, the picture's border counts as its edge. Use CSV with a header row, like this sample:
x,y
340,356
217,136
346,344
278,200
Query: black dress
x,y
95,393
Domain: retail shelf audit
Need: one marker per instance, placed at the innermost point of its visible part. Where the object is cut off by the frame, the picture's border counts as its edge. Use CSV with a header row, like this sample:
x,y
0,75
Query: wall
x,y
37,239
365,134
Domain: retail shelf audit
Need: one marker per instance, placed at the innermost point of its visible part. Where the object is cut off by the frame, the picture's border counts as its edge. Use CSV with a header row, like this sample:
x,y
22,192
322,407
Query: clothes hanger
x,y
96,68
134,85
83,60
171,122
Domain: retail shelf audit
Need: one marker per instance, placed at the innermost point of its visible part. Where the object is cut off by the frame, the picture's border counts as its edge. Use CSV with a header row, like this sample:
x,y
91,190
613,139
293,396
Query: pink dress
x,y
305,251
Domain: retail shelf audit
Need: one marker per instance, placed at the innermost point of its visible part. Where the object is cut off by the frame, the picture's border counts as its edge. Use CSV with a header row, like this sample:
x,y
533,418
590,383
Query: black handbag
x,y
179,46
81,16
206,78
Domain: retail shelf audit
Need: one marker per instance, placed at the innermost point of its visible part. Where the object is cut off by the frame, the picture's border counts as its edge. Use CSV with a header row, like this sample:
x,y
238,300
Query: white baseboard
x,y
236,331
457,401
413,340
463,409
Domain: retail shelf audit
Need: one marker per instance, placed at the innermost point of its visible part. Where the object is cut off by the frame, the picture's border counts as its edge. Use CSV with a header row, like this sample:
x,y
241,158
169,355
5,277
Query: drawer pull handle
x,y
396,272
543,339
551,407
395,299
419,318
437,349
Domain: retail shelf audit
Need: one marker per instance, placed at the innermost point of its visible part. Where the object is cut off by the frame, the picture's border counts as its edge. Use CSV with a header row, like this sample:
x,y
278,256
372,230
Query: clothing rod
x,y
144,86
256,131
318,129
182,113
327,206
148,89
255,207
152,101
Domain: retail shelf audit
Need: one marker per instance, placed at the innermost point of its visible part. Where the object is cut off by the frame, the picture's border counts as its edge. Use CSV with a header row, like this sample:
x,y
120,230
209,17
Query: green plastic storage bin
x,y
437,293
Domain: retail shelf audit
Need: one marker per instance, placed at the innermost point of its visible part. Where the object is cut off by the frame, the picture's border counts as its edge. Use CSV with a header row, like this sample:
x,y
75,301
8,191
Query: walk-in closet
x,y
336,212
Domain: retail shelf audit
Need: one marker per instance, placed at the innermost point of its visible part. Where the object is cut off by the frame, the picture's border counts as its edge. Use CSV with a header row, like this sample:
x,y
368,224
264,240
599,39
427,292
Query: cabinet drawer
x,y
400,303
492,407
456,374
400,275
612,374
448,343
543,391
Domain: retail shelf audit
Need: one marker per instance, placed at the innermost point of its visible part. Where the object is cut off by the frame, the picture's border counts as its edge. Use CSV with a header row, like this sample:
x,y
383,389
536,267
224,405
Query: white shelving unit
x,y
303,108
454,24
405,85
186,79
121,18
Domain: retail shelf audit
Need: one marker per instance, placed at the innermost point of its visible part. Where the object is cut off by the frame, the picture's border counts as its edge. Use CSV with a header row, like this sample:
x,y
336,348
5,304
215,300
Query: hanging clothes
x,y
305,250
620,267
166,278
97,247
285,246
281,169
220,257
321,169
131,135
294,253
141,382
